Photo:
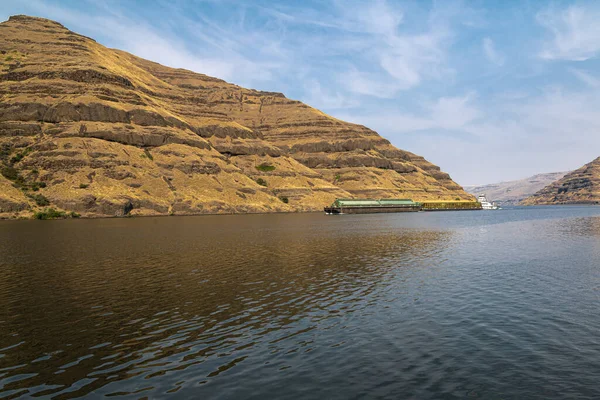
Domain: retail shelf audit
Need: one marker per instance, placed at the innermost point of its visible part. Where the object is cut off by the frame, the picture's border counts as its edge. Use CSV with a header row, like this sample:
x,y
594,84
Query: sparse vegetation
x,y
19,182
49,213
16,158
35,186
4,150
10,173
284,199
261,182
148,154
265,167
73,214
19,156
83,186
9,58
40,200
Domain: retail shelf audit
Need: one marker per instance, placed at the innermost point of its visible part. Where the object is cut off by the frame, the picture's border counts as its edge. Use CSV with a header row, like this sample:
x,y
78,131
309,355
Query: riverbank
x,y
53,213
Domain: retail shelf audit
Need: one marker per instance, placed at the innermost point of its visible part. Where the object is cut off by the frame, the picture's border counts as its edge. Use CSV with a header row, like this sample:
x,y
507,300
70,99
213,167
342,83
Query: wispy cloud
x,y
575,32
406,57
369,84
444,113
493,55
585,77
319,97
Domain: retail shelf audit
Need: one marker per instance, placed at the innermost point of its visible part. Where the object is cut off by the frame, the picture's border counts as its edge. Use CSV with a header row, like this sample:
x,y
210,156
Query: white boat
x,y
485,204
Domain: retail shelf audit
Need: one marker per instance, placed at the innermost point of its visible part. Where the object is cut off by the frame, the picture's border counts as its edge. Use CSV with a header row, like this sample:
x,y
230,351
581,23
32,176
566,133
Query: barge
x,y
371,206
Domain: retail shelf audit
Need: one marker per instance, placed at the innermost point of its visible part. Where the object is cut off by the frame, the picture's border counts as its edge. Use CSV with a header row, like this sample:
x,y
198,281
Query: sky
x,y
488,90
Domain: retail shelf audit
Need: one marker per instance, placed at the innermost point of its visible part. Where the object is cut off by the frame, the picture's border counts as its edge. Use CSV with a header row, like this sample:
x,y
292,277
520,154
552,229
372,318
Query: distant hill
x,y
512,192
581,186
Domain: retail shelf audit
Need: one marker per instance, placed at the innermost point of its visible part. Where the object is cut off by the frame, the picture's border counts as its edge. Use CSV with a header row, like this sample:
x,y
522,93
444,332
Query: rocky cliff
x,y
513,192
581,186
100,132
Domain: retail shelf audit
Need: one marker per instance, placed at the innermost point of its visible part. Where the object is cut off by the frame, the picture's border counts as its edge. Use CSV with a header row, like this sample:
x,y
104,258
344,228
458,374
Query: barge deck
x,y
370,206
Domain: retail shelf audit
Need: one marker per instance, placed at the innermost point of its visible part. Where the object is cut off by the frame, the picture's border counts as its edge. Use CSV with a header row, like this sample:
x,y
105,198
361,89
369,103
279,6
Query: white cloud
x,y
445,113
379,18
489,49
454,112
575,32
318,97
367,84
508,138
394,58
585,77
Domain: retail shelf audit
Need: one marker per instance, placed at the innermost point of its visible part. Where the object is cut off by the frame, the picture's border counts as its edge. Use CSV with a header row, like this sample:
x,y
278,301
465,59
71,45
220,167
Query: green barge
x,y
372,206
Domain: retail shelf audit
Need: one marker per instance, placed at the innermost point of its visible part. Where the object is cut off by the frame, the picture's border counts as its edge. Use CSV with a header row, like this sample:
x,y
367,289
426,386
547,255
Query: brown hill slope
x,y
102,132
581,186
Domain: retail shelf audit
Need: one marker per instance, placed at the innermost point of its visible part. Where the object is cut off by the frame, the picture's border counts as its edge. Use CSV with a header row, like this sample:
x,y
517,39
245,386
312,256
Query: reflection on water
x,y
302,306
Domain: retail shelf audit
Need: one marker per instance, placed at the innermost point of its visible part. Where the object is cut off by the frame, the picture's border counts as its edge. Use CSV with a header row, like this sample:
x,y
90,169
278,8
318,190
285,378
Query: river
x,y
479,304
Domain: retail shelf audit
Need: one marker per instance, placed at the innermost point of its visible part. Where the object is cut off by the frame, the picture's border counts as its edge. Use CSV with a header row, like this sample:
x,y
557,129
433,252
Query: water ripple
x,y
420,306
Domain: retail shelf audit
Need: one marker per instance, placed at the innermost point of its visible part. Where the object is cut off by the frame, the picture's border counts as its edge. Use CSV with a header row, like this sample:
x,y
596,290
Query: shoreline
x,y
31,218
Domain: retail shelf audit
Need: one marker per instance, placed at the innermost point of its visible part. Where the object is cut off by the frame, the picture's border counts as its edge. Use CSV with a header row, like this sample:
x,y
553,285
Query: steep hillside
x,y
581,186
513,192
101,132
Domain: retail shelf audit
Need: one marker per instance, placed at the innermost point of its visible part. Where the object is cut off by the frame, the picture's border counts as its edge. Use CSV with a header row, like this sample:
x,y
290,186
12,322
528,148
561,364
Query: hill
x,y
581,186
513,192
101,132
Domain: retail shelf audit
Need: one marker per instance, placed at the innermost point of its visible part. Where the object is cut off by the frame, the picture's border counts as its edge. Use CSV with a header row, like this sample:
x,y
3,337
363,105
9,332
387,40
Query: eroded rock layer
x,y
581,186
101,132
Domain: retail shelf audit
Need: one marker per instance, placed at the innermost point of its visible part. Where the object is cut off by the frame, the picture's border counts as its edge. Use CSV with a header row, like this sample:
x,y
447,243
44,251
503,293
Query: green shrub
x,y
73,214
19,156
9,58
265,167
284,199
83,186
16,158
20,183
337,177
49,213
148,154
261,182
10,173
4,150
35,186
40,200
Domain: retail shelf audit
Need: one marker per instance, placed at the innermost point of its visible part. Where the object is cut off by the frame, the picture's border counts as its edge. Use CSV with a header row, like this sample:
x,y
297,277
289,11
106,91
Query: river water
x,y
492,305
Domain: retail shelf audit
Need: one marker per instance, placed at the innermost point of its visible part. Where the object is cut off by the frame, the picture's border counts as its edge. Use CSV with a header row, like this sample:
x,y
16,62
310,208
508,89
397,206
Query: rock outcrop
x,y
581,186
101,132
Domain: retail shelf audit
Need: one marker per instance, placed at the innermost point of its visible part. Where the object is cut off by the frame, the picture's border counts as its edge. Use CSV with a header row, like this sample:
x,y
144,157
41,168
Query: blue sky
x,y
490,90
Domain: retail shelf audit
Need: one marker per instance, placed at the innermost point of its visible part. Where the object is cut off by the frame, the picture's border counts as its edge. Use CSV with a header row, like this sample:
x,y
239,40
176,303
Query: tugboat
x,y
485,204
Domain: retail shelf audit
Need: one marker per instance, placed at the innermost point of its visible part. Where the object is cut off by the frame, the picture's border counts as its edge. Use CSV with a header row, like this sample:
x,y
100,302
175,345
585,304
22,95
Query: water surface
x,y
448,305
